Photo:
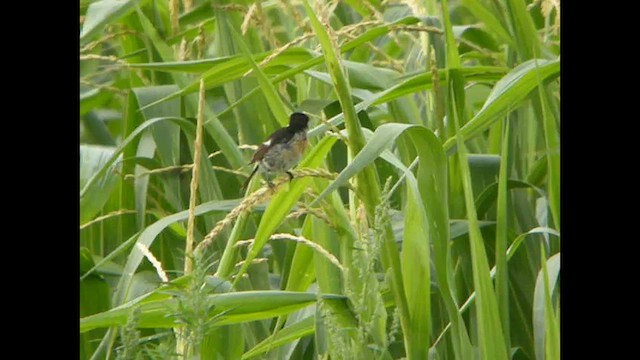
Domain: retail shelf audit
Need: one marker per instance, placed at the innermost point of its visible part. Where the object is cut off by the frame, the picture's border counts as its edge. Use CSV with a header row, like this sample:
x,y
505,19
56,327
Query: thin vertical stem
x,y
174,14
188,262
187,4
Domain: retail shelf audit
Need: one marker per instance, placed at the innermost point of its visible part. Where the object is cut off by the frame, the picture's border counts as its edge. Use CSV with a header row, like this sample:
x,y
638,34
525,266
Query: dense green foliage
x,y
423,221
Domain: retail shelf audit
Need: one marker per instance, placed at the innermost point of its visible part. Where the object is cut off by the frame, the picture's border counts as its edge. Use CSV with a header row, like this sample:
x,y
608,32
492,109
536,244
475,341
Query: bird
x,y
282,150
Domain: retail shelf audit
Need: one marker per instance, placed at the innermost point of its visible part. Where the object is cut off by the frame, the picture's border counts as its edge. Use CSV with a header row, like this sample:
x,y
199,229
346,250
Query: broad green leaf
x,y
432,179
415,270
151,232
119,250
93,160
543,310
146,148
491,22
197,14
287,334
423,81
102,13
227,308
166,139
489,195
383,136
276,106
366,76
225,342
453,59
507,94
299,276
491,338
474,37
99,174
330,279
523,30
552,143
502,221
212,124
95,126
518,240
94,298
229,71
301,272
231,67
93,98
170,222
510,253
460,228
415,83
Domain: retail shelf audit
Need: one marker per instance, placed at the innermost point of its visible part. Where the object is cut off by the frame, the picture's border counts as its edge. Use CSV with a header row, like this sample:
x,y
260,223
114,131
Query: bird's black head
x,y
298,121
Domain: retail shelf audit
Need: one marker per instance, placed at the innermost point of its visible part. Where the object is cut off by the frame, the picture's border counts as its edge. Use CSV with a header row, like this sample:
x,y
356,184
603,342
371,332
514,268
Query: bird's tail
x,y
244,186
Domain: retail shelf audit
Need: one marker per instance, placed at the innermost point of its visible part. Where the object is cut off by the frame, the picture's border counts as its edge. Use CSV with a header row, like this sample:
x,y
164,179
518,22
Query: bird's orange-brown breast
x,y
300,144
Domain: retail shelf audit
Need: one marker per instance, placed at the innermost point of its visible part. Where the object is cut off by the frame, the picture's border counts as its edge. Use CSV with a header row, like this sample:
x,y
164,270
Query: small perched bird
x,y
283,149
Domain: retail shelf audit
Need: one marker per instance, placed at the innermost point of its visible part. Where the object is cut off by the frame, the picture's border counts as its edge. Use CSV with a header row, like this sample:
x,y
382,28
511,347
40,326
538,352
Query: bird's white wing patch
x,y
267,143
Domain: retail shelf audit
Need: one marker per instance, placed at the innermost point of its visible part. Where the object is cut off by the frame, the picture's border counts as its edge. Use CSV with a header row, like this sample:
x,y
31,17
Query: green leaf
x,y
212,125
166,140
552,145
417,271
94,298
523,30
507,94
489,195
95,159
412,84
367,76
96,127
105,260
491,338
276,105
93,98
491,22
104,169
287,334
150,233
431,214
236,66
518,240
197,14
225,342
502,221
543,317
453,59
104,12
227,308
231,67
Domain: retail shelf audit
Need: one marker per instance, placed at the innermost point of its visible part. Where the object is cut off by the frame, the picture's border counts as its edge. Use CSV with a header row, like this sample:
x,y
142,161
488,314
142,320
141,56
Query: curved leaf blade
x,y
104,12
228,308
506,95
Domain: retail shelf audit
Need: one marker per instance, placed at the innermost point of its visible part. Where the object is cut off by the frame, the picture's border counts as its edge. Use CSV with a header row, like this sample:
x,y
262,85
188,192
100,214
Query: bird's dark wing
x,y
279,136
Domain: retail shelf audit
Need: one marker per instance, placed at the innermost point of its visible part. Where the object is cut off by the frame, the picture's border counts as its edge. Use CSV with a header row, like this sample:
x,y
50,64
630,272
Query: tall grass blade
x,y
491,338
547,337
